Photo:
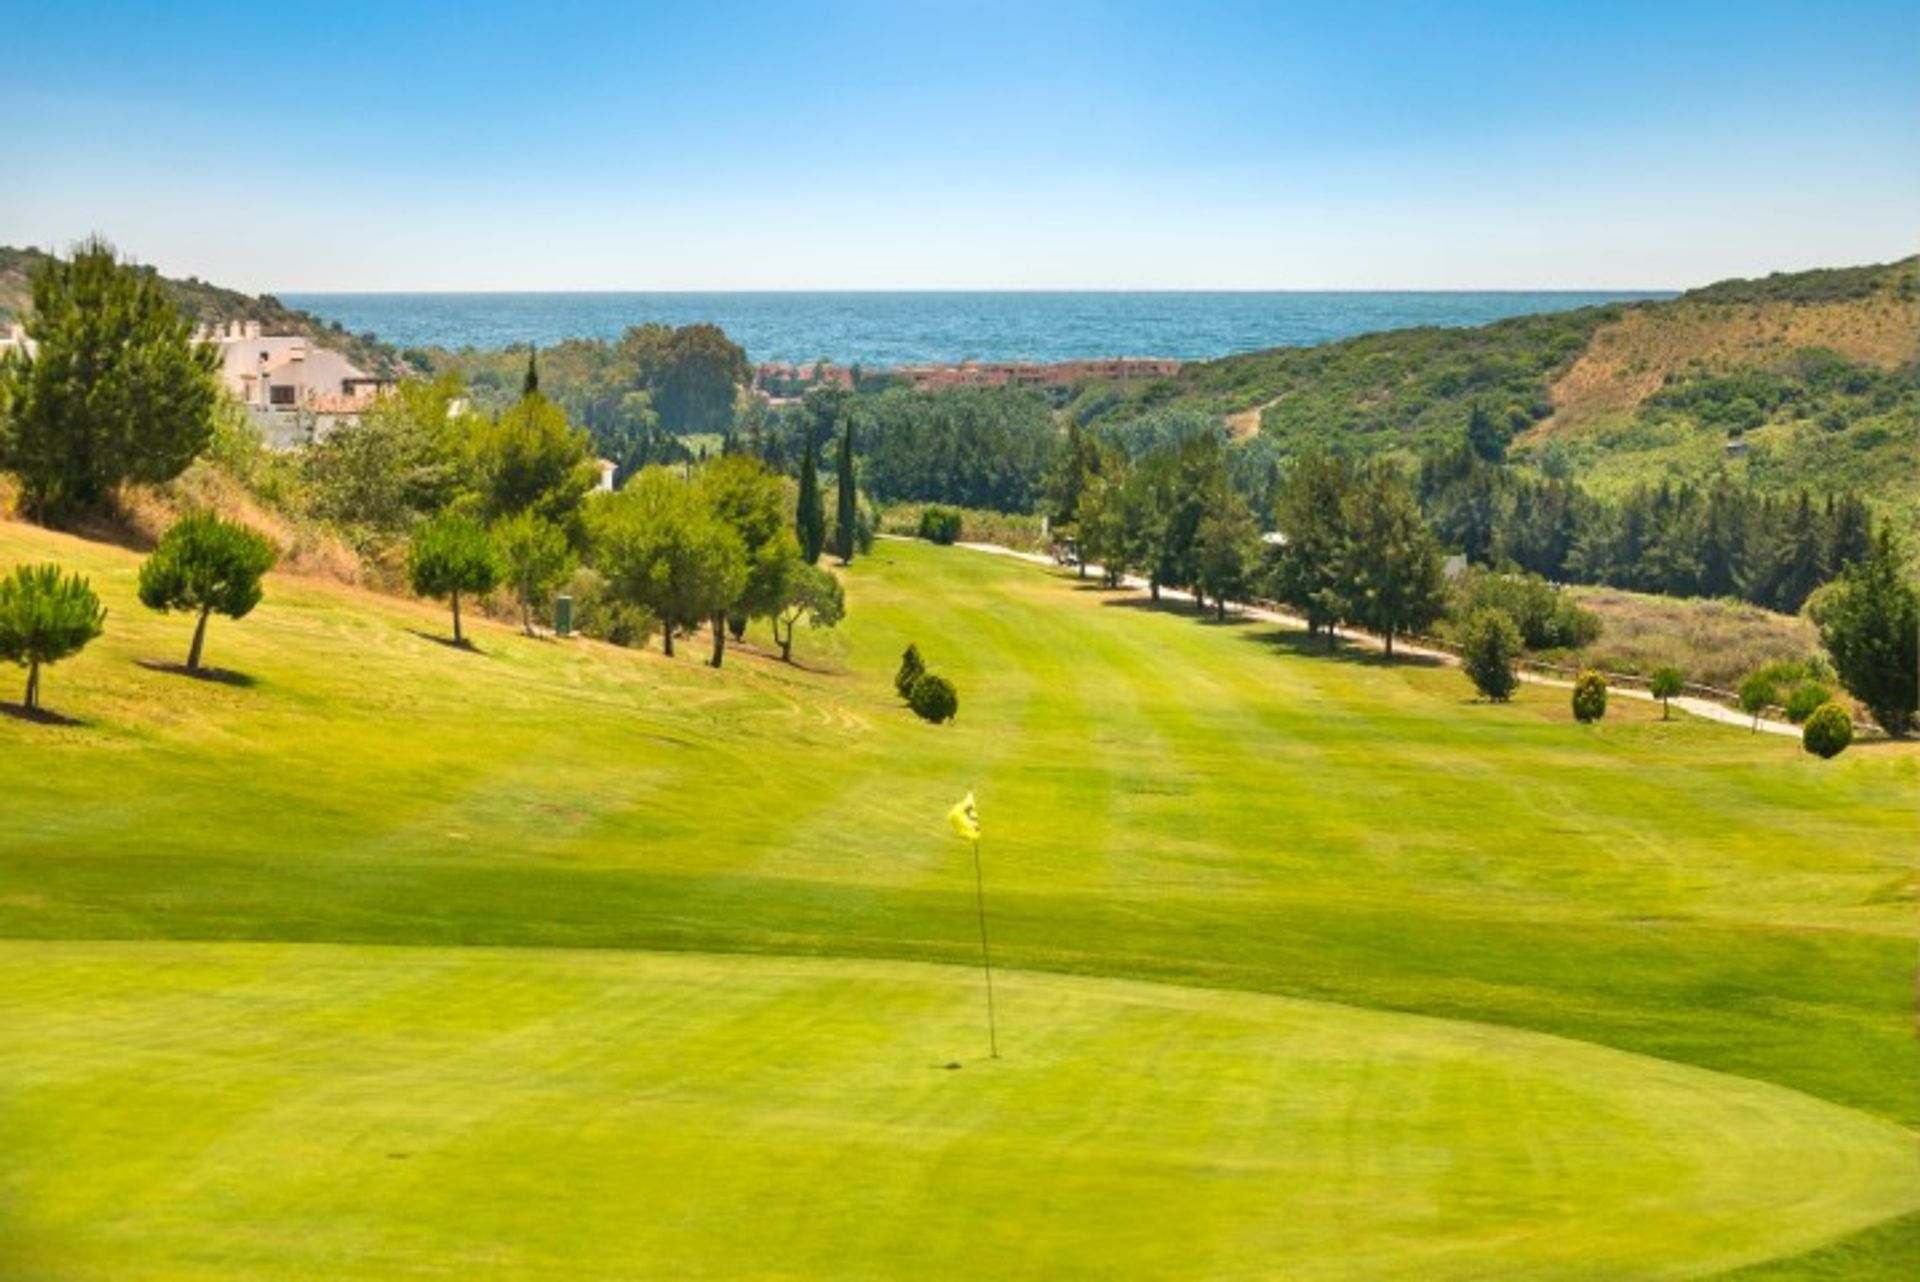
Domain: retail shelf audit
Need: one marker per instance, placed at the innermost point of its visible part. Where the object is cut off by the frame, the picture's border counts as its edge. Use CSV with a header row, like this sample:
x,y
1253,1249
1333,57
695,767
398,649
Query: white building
x,y
295,390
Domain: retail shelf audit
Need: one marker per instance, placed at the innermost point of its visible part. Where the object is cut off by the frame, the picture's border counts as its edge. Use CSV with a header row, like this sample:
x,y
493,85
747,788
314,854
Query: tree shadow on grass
x,y
1294,641
218,676
38,716
464,645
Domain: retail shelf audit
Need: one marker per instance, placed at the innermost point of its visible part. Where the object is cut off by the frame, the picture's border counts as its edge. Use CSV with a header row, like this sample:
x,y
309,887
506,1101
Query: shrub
x,y
940,525
1548,617
933,698
1828,731
1756,694
1667,682
1805,699
1490,646
911,667
1590,696
44,617
206,566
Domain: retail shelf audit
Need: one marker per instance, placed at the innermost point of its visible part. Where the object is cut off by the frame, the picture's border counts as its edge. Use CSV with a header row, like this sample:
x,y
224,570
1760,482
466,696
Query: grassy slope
x,y
1167,800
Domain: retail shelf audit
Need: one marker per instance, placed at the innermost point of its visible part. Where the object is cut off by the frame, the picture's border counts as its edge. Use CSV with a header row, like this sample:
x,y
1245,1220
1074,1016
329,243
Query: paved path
x,y
1706,709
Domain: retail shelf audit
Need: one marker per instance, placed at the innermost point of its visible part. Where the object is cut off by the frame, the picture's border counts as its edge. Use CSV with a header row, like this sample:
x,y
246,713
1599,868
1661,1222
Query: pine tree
x,y
810,521
846,508
1870,623
116,390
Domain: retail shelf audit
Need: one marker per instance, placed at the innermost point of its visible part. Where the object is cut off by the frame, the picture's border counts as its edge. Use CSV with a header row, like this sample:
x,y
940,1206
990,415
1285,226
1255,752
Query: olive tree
x,y
44,617
206,566
452,555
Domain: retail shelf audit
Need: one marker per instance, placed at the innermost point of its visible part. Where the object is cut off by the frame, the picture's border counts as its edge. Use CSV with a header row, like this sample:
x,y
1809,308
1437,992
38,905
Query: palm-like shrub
x,y
1490,647
1828,731
44,617
933,698
1590,696
206,566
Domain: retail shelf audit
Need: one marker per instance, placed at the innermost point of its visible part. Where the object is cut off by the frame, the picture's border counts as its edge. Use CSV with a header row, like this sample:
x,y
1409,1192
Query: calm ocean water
x,y
884,329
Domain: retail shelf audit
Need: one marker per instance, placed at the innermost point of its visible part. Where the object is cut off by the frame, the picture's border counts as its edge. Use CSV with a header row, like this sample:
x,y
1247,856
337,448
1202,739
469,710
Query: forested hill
x,y
211,304
1799,379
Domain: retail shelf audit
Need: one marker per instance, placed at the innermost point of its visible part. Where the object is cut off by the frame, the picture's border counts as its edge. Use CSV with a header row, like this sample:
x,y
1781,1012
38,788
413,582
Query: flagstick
x,y
986,962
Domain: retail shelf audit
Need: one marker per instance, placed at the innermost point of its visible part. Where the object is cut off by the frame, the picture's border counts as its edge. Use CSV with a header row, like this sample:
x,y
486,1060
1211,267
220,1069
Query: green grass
x,y
1165,799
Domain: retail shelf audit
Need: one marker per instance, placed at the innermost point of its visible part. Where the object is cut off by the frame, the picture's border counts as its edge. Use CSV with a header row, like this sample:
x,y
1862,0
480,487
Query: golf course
x,y
367,956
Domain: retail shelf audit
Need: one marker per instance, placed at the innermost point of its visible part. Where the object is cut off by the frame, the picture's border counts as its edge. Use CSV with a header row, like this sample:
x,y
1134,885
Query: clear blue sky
x,y
1043,144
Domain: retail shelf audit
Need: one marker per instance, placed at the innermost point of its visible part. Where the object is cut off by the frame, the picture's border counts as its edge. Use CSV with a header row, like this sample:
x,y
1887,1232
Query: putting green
x,y
187,1110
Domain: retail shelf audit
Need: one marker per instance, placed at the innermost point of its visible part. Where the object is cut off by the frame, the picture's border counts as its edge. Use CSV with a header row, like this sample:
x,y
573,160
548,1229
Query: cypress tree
x,y
811,519
531,383
846,509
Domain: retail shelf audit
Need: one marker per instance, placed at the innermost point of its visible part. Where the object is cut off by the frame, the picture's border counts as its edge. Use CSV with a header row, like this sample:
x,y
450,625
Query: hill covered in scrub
x,y
1808,379
210,304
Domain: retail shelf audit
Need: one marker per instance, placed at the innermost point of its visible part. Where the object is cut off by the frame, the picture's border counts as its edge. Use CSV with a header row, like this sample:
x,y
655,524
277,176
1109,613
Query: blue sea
x,y
888,329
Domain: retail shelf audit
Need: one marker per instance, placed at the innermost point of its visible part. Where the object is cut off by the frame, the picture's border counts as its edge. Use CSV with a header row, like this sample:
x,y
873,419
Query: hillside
x,y
1816,374
210,304
378,957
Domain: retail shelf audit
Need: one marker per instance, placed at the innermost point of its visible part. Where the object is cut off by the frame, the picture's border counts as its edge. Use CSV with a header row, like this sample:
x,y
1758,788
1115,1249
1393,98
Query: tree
x,y
1590,696
1490,649
692,374
451,555
531,383
1828,731
403,462
45,616
530,459
1667,683
1390,568
115,391
1227,551
1305,574
206,566
1756,694
535,558
810,518
745,494
911,666
812,594
847,498
663,548
1869,620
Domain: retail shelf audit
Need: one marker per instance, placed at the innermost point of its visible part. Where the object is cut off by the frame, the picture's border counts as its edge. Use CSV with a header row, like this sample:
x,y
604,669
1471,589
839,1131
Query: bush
x,y
599,614
911,667
940,525
1805,699
1757,693
933,698
1667,682
1490,646
1828,731
1548,617
1590,696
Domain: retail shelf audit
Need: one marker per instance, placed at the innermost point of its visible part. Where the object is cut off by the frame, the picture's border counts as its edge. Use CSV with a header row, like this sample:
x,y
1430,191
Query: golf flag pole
x,y
965,818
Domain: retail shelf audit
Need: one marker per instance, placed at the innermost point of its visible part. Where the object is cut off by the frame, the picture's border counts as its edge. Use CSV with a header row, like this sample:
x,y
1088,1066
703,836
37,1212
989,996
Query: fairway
x,y
383,959
315,1111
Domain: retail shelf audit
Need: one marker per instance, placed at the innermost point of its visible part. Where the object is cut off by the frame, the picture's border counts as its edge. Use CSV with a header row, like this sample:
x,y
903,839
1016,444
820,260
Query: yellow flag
x,y
965,819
